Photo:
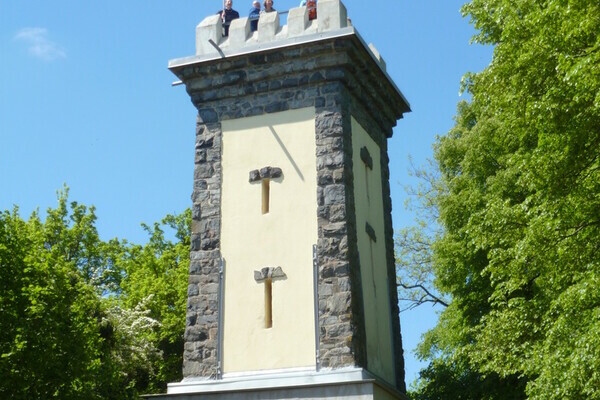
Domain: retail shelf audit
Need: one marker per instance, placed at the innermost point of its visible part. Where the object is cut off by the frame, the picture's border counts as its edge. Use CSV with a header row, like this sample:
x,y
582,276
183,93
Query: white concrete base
x,y
347,383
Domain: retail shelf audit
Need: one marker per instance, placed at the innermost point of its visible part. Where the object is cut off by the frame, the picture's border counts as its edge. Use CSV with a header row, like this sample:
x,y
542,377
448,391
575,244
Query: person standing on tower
x,y
228,14
312,8
254,15
269,6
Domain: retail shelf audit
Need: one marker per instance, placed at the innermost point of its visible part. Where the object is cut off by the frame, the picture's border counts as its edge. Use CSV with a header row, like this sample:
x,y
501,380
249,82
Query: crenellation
x,y
268,27
377,56
210,28
331,16
239,32
297,21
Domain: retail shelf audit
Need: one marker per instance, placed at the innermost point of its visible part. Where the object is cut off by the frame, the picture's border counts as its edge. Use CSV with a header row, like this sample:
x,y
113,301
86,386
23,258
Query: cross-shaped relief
x,y
366,158
268,275
265,175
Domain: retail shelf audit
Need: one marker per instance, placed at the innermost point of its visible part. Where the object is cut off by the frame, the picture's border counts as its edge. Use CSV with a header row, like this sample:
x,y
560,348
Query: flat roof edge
x,y
225,53
258,47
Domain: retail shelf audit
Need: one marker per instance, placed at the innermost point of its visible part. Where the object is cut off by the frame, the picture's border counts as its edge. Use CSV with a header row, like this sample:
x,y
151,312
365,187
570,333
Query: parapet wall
x,y
332,21
331,16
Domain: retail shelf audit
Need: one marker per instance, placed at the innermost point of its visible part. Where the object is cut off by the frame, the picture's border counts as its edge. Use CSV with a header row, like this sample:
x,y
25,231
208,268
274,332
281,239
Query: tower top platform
x,y
331,23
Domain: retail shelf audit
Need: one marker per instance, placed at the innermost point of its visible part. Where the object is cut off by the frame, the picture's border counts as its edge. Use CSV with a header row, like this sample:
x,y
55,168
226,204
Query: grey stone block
x,y
365,156
274,273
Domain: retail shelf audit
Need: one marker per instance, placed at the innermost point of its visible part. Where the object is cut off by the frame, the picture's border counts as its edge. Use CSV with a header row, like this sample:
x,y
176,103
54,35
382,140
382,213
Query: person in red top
x,y
312,8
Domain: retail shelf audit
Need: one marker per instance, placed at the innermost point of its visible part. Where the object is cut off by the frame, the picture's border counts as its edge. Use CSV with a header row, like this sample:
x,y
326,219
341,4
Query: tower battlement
x,y
331,16
332,20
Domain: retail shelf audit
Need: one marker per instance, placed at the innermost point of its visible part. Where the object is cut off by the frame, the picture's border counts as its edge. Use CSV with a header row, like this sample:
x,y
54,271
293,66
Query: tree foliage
x,y
519,205
446,378
50,346
156,274
84,318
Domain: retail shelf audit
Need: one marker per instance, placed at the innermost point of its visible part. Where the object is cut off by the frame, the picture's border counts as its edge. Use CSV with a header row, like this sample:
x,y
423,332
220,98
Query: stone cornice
x,y
342,58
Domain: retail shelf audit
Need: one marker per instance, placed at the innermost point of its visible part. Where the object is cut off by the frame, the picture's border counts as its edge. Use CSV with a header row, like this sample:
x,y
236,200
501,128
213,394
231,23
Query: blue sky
x,y
86,100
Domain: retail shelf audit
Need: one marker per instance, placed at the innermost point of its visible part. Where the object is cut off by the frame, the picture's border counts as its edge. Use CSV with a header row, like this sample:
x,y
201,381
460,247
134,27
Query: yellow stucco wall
x,y
369,208
251,240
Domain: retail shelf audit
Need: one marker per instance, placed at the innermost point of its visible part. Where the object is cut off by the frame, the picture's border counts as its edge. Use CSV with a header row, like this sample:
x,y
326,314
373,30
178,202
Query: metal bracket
x,y
220,319
316,301
216,46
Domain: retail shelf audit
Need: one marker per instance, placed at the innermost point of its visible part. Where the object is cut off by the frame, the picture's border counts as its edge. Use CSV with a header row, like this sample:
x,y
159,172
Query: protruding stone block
x,y
268,25
297,21
331,15
239,31
365,156
377,55
265,173
274,273
211,28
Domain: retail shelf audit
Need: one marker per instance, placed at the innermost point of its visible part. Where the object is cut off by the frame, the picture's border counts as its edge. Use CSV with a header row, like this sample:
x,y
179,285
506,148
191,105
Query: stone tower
x,y
292,280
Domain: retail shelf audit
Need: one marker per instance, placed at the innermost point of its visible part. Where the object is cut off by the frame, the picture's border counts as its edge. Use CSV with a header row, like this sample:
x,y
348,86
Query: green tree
x,y
449,374
50,345
83,318
156,274
446,378
519,250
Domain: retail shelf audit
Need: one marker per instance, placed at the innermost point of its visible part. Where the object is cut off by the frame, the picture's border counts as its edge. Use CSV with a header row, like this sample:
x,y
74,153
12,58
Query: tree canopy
x,y
86,318
518,197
